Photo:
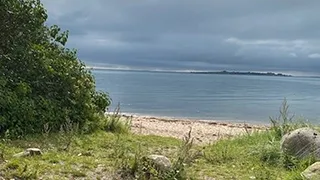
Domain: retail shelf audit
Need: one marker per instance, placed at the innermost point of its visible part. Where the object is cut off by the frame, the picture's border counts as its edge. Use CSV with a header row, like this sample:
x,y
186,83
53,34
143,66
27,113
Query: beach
x,y
203,131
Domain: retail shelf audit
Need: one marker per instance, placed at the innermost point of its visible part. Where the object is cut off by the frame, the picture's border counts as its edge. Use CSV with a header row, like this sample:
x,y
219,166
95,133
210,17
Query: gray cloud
x,y
205,34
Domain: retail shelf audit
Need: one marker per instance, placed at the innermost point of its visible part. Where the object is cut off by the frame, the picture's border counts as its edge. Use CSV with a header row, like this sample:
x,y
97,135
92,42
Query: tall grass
x,y
116,123
285,122
258,155
139,166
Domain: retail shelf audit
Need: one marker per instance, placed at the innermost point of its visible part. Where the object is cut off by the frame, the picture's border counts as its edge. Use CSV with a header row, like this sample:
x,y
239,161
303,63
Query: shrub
x,y
41,81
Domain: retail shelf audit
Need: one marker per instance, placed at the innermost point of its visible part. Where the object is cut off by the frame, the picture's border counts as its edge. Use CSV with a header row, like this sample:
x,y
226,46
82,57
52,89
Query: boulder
x,y
160,162
301,143
29,152
312,172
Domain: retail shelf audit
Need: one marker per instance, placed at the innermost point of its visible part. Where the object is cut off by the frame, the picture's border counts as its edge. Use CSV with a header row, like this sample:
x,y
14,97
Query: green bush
x,y
41,81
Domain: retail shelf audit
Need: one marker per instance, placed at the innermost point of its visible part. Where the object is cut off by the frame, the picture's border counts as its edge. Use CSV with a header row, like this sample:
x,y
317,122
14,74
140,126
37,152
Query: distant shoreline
x,y
242,73
249,73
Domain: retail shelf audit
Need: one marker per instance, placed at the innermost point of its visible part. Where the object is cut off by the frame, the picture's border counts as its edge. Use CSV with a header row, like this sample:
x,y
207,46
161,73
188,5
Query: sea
x,y
232,98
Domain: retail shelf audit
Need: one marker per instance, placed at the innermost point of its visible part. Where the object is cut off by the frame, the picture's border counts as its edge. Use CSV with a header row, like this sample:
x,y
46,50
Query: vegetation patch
x,y
42,82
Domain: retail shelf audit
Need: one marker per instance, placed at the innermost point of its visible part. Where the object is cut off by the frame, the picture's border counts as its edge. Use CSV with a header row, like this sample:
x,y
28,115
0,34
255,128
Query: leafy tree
x,y
41,80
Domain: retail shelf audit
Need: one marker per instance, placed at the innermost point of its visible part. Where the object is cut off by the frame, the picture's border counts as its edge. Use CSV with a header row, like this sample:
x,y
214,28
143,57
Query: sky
x,y
240,35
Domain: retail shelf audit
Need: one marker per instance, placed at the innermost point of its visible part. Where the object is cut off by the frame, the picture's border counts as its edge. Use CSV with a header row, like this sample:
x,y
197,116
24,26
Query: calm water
x,y
221,97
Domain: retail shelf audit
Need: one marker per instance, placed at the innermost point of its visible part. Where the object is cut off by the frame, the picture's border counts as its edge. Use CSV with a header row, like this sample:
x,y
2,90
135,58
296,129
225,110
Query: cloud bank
x,y
281,36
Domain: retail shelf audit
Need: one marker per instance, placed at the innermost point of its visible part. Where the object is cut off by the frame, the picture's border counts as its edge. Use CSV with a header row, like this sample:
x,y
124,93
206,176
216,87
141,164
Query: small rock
x,y
312,172
29,152
301,143
161,162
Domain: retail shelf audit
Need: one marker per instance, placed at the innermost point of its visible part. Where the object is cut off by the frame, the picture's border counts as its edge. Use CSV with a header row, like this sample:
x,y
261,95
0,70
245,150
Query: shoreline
x,y
230,120
203,131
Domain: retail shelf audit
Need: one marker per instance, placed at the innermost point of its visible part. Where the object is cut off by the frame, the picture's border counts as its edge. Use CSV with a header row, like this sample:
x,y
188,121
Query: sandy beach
x,y
203,131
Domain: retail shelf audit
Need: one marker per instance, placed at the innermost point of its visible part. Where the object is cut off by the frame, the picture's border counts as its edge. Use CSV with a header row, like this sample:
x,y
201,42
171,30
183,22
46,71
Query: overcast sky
x,y
257,35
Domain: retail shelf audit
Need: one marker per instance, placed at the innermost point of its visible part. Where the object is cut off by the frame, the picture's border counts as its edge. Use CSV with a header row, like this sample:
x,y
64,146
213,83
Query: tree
x,y
41,81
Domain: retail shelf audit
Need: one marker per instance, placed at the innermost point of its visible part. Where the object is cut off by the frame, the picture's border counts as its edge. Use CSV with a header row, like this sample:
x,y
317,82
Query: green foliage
x,y
20,171
41,81
185,157
138,166
92,155
116,123
284,123
221,153
248,157
257,155
270,153
98,155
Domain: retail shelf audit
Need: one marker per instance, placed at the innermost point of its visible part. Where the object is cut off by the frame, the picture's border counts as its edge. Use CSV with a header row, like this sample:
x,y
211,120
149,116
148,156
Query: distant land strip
x,y
200,72
242,73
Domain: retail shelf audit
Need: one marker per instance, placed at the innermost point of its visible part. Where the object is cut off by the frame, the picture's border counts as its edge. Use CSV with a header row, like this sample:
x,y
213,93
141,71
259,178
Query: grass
x,y
118,154
105,154
143,168
254,156
285,122
87,156
247,157
116,123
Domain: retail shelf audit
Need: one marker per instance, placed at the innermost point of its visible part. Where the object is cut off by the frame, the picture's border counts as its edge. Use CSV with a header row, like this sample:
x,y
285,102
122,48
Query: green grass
x,y
87,155
116,123
248,157
102,154
116,153
253,156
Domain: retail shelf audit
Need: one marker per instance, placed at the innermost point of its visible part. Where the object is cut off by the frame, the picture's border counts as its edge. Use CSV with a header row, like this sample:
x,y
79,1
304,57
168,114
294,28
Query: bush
x,y
41,81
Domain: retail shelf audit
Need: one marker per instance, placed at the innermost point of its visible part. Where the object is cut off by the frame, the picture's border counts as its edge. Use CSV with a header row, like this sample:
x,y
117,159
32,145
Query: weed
x,y
221,152
270,154
12,165
263,173
285,123
116,123
122,159
67,133
186,156
139,166
17,171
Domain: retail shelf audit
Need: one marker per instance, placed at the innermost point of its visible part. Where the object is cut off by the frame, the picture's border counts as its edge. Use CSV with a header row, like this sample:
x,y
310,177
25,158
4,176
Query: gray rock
x,y
161,162
301,143
312,172
29,152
